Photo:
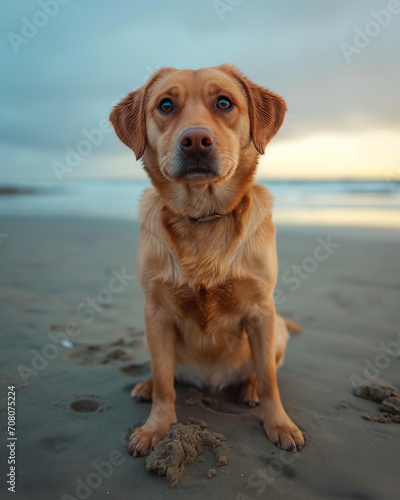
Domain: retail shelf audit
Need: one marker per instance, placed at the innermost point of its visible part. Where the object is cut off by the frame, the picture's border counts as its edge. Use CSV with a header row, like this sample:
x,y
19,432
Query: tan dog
x,y
207,260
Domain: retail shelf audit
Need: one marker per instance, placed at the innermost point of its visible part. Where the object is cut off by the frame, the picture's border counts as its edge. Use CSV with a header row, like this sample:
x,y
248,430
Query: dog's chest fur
x,y
210,275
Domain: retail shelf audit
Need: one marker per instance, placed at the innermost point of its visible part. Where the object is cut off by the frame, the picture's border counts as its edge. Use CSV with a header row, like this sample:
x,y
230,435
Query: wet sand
x,y
71,322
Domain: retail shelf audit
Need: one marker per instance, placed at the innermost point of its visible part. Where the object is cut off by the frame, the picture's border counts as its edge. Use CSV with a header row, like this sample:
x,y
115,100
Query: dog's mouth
x,y
200,172
195,171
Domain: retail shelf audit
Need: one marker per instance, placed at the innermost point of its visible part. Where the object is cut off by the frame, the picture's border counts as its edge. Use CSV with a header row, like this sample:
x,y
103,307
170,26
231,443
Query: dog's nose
x,y
196,141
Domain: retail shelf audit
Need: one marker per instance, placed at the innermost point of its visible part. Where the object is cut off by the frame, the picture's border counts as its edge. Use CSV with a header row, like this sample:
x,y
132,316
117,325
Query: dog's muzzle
x,y
196,158
196,142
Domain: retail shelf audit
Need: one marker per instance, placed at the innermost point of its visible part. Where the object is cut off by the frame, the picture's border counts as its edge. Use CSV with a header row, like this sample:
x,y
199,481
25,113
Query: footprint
x,y
86,405
118,351
59,443
136,370
343,302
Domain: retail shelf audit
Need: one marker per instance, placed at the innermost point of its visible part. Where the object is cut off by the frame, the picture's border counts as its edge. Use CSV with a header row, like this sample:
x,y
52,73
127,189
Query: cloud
x,y
90,54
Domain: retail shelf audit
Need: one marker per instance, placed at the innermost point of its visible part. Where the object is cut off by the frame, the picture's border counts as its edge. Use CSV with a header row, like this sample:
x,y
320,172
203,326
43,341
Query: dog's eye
x,y
166,106
224,103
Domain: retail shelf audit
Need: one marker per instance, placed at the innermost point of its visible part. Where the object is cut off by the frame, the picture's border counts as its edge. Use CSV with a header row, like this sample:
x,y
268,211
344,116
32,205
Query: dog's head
x,y
198,128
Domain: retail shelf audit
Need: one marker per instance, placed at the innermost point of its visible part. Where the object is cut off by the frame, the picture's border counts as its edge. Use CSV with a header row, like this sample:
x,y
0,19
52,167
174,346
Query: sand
x,y
183,445
388,396
74,410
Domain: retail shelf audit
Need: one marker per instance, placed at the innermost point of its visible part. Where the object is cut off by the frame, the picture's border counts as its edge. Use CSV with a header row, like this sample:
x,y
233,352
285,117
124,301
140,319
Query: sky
x,y
336,63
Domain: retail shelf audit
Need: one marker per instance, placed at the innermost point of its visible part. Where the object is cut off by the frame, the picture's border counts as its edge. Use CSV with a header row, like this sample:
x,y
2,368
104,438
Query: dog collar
x,y
206,218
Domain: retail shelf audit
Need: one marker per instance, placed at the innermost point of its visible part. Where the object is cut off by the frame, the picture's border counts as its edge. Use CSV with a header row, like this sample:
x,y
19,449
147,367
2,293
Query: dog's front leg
x,y
161,338
279,428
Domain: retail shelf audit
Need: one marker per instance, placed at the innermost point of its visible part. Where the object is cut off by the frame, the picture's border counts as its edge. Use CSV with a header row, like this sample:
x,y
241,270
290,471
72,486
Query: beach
x,y
197,101
72,344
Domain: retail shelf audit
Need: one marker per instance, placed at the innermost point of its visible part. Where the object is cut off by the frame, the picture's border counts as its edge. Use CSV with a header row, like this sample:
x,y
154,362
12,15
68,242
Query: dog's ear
x,y
129,116
266,109
129,121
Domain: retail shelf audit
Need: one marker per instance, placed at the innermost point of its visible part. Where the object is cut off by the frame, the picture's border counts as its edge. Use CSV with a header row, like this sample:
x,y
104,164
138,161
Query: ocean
x,y
368,203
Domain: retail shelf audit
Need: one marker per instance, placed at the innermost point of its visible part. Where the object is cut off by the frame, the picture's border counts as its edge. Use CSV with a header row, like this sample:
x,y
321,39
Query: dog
x,y
207,261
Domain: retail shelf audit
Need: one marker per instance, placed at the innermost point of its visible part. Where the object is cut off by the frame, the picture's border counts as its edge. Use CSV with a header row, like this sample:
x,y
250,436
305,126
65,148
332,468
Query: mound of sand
x,y
388,396
181,447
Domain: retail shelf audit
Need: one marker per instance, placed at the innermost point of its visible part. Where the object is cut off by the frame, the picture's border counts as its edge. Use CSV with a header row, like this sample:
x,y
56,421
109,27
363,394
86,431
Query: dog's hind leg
x,y
143,391
248,392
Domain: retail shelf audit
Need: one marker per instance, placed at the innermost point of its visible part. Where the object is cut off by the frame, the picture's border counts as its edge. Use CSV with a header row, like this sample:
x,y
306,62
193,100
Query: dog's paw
x,y
289,438
143,441
143,390
248,393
